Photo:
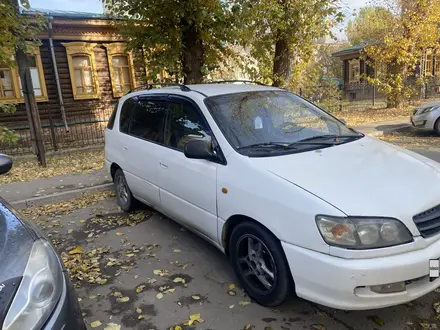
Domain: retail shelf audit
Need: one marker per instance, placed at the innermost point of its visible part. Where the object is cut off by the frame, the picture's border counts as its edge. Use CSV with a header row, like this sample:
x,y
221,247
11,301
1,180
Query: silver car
x,y
427,117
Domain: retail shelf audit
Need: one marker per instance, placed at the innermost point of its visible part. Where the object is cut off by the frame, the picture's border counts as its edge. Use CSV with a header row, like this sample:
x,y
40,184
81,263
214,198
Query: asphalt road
x,y
146,258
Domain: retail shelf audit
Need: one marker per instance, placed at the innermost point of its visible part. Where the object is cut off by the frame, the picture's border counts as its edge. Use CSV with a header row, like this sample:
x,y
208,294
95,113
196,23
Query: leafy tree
x,y
189,38
281,34
414,28
370,25
15,30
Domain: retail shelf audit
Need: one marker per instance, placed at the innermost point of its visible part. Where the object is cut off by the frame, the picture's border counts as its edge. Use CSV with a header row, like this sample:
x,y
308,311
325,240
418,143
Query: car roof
x,y
206,90
221,89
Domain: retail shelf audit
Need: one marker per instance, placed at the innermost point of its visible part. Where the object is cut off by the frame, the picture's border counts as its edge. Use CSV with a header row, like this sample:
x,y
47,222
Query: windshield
x,y
274,120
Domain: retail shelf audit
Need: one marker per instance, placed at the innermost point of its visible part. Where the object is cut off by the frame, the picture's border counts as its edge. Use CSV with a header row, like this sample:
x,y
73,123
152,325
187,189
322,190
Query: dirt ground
x,y
144,271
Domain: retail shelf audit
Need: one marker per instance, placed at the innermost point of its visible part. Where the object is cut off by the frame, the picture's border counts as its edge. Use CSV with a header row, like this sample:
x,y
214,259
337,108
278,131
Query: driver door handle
x,y
163,165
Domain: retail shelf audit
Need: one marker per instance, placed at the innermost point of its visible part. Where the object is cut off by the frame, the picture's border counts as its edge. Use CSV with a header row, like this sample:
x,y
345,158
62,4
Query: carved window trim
x,y
352,65
119,49
18,98
82,49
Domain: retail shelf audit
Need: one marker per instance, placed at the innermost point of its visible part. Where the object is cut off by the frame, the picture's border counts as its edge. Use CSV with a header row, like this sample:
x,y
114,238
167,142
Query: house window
x,y
121,68
428,65
354,71
437,65
10,82
81,60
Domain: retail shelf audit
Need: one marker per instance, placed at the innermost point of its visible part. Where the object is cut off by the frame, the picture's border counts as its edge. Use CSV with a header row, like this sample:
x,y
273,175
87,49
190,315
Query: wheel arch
x,y
113,168
231,223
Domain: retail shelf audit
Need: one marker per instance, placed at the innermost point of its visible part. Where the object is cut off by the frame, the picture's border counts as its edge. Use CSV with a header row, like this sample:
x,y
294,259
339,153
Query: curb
x,y
57,197
401,128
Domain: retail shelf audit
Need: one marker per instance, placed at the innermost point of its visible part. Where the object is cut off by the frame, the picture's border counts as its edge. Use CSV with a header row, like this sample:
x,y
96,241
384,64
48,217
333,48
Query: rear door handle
x,y
163,165
125,148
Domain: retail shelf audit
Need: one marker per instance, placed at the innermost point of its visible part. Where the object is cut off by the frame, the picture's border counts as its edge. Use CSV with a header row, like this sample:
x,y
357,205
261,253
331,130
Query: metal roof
x,y
65,13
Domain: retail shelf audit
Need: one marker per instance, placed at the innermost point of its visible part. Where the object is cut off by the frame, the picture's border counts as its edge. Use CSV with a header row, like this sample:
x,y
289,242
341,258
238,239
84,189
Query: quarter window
x,y
124,117
185,124
148,119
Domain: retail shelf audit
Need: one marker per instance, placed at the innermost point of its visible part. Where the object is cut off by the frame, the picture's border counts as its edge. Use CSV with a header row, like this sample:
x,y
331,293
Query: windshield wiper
x,y
335,138
268,145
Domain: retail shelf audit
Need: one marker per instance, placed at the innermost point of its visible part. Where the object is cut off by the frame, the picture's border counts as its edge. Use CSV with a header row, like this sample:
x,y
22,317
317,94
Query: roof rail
x,y
233,81
183,88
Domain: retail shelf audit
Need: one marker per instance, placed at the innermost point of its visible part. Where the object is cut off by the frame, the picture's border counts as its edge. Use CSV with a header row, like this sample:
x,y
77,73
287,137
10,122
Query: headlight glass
x,y
362,233
39,290
426,110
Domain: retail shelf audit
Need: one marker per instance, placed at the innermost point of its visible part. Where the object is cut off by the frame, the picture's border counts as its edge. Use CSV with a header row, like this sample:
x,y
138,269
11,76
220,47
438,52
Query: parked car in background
x,y
427,117
35,291
296,199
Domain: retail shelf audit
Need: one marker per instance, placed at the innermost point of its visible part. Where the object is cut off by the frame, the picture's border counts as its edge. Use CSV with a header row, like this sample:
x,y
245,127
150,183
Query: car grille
x,y
428,222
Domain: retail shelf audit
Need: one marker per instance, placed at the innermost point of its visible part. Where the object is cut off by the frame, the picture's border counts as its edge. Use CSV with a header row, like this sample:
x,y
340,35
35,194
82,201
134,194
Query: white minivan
x,y
297,200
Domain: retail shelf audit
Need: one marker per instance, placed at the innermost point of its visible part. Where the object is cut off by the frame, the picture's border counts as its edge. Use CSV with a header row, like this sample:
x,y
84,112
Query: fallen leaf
x,y
140,288
170,290
82,221
177,250
138,310
123,299
117,294
231,306
92,297
112,326
70,231
231,293
231,286
247,326
319,327
95,324
177,327
77,250
140,317
119,234
244,303
436,307
159,295
376,319
179,280
196,297
428,326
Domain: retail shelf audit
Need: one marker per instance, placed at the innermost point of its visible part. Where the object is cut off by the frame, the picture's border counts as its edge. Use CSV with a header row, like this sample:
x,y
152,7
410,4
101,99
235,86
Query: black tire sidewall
x,y
437,126
129,206
284,277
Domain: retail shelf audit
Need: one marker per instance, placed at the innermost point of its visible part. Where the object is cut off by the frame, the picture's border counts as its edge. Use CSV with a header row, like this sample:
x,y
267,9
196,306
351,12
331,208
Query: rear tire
x,y
260,264
125,198
437,127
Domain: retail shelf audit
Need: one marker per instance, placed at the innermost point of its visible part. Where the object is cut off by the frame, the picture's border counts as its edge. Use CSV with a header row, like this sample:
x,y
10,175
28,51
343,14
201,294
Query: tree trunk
x,y
192,53
281,62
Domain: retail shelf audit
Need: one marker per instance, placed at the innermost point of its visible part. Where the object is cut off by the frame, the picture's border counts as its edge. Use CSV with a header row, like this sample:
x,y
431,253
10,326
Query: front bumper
x,y
345,283
67,314
424,121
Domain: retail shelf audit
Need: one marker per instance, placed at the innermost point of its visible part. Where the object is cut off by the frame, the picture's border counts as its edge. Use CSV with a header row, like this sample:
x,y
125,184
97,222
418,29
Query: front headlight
x,y
360,233
39,290
426,110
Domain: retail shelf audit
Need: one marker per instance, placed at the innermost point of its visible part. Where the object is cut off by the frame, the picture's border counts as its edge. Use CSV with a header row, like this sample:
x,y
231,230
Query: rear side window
x,y
148,119
111,121
124,118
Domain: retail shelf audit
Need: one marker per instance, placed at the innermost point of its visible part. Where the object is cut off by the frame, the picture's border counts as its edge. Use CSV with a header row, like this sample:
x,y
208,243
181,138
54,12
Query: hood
x,y
15,247
429,104
366,177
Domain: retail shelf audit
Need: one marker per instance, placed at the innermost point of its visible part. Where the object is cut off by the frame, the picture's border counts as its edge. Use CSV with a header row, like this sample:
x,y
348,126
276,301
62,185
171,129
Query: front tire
x,y
437,126
123,193
259,263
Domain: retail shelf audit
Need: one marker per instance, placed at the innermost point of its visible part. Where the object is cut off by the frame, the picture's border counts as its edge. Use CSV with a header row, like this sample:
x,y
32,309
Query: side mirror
x,y
5,164
343,121
198,149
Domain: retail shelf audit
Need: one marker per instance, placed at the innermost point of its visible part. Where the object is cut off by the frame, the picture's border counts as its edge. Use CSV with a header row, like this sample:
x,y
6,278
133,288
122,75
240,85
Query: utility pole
x,y
29,99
